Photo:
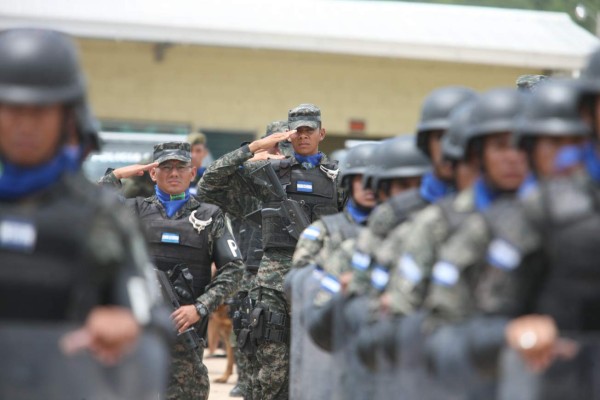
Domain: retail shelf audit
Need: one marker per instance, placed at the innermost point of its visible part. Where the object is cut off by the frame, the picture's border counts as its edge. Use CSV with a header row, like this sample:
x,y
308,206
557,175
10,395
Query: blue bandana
x,y
527,186
433,189
18,182
484,195
570,156
309,162
172,203
359,214
592,161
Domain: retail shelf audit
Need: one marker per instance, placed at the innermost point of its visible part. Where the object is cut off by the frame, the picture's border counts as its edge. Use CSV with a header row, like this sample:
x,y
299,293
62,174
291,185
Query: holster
x,y
269,326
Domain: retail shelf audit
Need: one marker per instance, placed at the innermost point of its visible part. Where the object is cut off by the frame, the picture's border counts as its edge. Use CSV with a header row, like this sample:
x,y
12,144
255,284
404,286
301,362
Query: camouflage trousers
x,y
270,366
188,379
243,361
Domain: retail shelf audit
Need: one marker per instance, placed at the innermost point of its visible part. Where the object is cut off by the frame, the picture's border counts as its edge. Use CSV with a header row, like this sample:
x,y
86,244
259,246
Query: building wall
x,y
243,89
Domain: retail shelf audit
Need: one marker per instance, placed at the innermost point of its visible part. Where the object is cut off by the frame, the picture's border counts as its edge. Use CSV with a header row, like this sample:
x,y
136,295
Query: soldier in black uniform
x,y
185,238
69,251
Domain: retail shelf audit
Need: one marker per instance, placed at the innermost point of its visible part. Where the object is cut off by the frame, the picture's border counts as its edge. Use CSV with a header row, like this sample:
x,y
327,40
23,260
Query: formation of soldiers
x,y
456,264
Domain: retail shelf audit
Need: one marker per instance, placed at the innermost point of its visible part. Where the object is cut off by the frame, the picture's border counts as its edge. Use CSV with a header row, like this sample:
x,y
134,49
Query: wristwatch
x,y
201,310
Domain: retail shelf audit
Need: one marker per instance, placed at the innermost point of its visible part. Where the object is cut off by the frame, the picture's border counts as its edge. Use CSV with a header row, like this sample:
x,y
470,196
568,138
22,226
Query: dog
x,y
221,326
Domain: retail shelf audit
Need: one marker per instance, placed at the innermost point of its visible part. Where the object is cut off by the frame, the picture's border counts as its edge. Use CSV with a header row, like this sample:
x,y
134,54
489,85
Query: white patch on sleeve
x,y
361,261
445,274
331,284
503,255
379,277
409,269
311,233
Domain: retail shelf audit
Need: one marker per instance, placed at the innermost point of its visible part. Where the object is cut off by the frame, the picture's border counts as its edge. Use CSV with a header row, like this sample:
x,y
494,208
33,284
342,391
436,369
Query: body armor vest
x,y
314,189
46,272
405,204
340,227
571,290
176,241
453,217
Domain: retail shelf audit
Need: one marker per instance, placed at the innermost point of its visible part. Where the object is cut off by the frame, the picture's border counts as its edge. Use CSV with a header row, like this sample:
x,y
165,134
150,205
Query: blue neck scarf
x,y
570,156
527,186
172,203
591,161
17,182
359,214
433,189
484,195
309,162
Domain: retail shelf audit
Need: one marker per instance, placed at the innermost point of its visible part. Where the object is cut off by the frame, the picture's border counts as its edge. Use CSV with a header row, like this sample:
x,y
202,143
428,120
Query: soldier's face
x,y
199,152
173,177
29,135
361,196
441,166
306,140
504,165
545,151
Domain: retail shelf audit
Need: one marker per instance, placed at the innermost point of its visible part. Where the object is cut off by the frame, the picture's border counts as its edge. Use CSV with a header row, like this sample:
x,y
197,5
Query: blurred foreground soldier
x,y
185,237
293,191
250,243
310,367
540,294
199,152
71,254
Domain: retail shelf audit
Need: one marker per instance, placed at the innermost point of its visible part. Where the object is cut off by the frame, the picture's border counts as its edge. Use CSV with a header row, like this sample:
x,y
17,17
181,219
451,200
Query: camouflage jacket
x,y
411,249
228,183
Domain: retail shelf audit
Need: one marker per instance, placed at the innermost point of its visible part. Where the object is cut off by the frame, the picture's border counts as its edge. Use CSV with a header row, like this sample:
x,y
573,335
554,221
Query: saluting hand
x,y
270,141
184,317
133,170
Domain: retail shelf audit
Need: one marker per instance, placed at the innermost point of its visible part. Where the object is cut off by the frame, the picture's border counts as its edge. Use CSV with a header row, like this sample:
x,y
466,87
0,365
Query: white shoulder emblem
x,y
331,173
198,224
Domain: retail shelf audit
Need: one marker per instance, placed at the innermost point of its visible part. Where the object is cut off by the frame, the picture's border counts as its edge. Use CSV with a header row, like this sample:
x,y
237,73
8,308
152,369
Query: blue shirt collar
x,y
309,162
171,203
359,214
433,188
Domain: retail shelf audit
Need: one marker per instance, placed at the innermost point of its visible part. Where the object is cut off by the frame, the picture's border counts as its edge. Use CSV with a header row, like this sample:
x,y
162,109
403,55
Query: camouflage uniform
x,y
411,250
270,375
189,376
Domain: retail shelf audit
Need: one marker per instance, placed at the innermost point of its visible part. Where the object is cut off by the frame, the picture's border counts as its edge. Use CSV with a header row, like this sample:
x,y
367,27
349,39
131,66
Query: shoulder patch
x,y
445,274
409,268
330,284
501,254
361,261
311,233
379,277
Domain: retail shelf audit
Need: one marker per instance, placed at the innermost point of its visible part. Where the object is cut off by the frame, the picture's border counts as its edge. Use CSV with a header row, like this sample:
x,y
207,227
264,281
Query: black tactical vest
x,y
405,204
314,189
571,290
46,270
340,227
453,217
175,241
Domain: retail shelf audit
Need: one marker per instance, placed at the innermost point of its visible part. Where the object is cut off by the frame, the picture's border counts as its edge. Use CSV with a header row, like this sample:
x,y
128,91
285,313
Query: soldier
x,y
185,238
539,274
71,254
315,246
250,242
310,181
197,141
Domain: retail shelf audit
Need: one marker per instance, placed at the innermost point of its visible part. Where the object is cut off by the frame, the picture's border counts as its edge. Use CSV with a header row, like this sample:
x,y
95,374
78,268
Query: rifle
x,y
193,340
289,210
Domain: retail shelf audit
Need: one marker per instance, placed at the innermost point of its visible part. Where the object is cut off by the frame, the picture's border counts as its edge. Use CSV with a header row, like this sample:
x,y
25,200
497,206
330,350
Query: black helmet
x,y
39,66
399,158
590,77
357,160
436,110
495,111
552,110
456,139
